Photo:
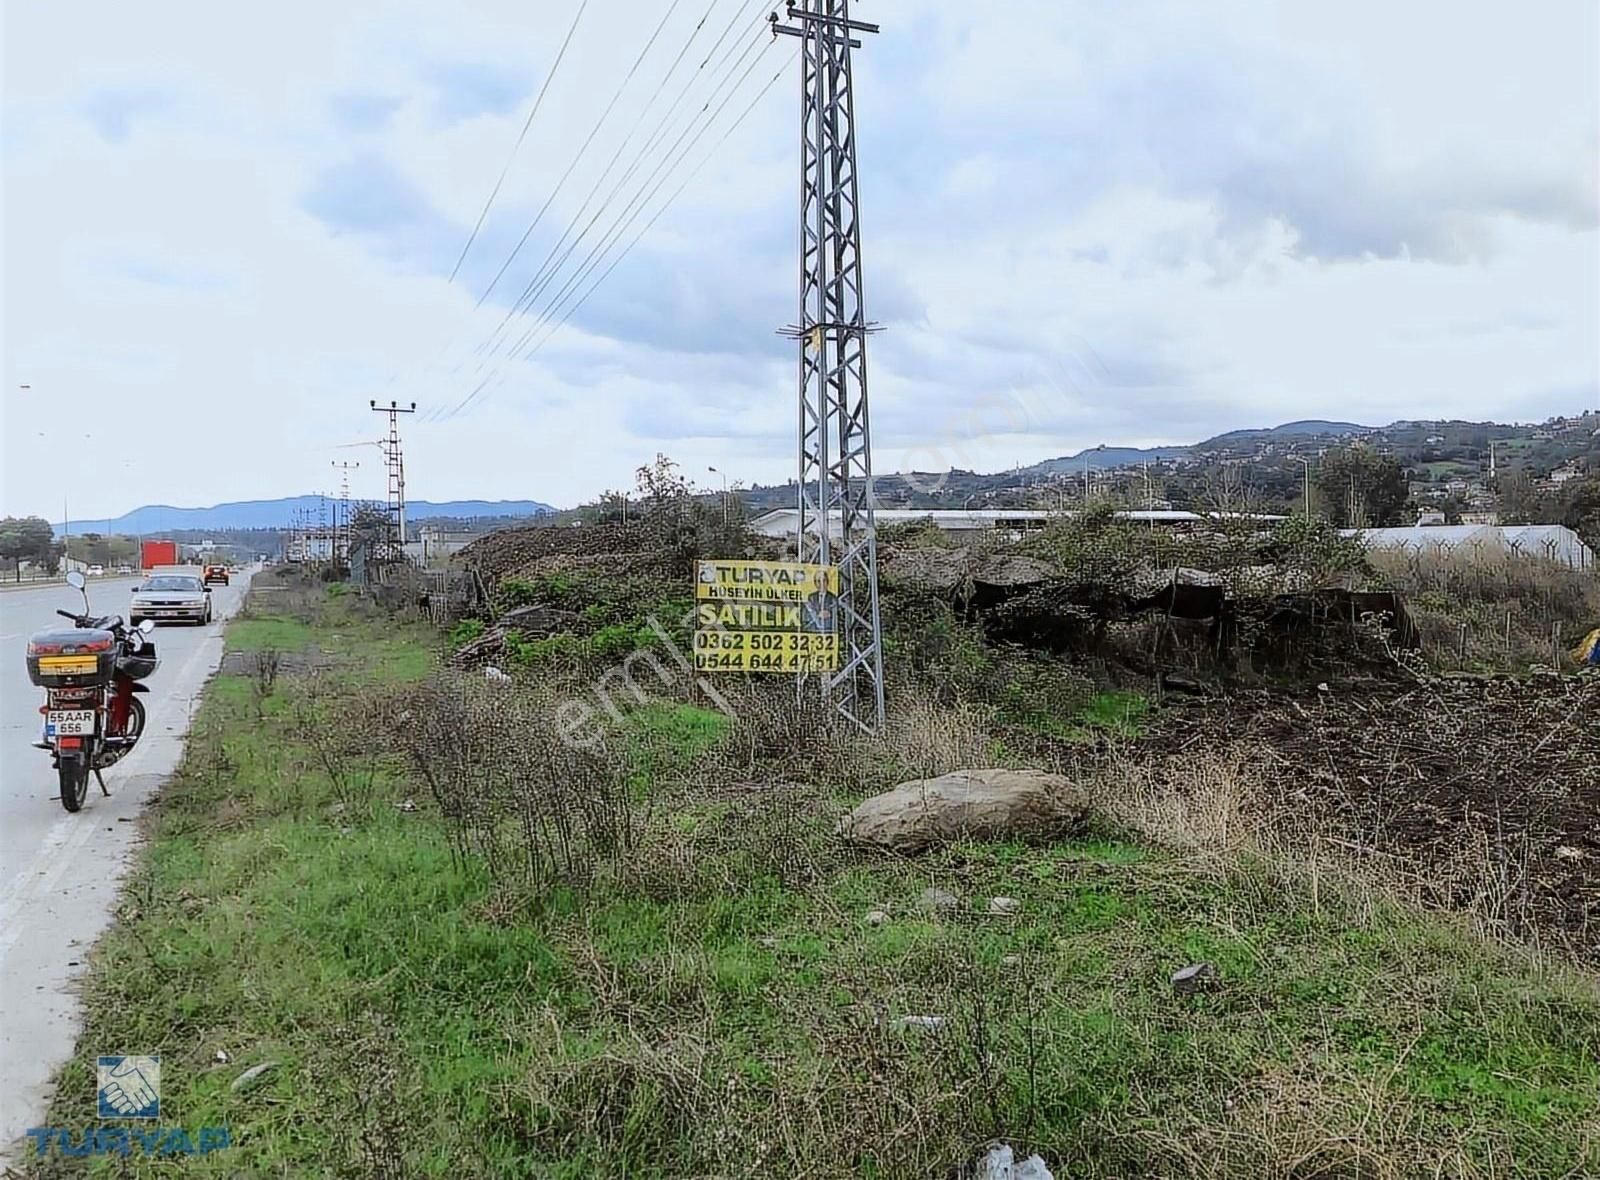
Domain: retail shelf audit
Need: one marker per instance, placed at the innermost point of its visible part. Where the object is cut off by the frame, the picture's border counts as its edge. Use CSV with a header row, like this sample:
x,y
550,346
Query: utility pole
x,y
397,476
342,508
835,444
724,475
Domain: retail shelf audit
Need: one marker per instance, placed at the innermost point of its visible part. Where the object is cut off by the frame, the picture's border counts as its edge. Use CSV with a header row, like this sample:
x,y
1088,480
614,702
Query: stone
x,y
251,1076
537,620
1000,1163
1004,907
1196,977
993,804
928,1023
934,898
876,917
956,571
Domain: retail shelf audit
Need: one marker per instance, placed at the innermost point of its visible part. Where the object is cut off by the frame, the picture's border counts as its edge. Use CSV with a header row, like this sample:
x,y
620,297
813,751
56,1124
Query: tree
x,y
1360,488
1519,499
26,538
660,484
1580,508
368,528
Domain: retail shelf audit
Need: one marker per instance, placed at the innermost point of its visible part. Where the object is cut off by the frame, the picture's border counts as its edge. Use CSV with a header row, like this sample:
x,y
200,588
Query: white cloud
x,y
1139,223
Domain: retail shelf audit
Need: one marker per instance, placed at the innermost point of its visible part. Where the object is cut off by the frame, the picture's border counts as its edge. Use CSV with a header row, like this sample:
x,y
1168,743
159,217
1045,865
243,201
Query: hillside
x,y
268,514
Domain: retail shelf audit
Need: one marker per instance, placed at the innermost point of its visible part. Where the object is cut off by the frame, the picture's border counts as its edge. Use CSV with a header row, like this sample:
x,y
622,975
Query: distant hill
x,y
1105,458
1305,428
1109,458
271,514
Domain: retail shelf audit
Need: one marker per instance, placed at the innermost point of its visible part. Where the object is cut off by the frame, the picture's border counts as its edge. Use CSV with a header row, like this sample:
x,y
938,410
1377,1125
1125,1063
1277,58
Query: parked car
x,y
97,571
215,573
170,597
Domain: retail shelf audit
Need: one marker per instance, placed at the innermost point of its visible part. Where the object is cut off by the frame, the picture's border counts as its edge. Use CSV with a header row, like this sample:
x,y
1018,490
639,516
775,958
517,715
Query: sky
x,y
228,229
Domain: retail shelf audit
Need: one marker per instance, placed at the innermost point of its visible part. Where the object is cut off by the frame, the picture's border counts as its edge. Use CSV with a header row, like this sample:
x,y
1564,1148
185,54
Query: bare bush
x,y
1492,609
532,805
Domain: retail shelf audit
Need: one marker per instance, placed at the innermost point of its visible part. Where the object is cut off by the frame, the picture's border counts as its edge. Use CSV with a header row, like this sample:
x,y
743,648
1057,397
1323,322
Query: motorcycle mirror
x,y
75,579
147,625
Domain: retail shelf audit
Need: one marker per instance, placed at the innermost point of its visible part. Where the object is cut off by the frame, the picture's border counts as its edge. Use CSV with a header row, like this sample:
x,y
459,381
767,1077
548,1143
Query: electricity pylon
x,y
835,451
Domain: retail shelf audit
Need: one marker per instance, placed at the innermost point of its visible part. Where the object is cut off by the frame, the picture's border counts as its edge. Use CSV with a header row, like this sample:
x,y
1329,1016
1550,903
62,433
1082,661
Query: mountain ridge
x,y
268,514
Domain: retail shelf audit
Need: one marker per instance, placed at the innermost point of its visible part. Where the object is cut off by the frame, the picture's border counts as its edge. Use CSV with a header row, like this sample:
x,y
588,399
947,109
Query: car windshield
x,y
172,583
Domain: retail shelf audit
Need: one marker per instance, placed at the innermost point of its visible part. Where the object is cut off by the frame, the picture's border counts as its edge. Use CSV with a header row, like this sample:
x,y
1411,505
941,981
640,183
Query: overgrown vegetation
x,y
1493,612
634,946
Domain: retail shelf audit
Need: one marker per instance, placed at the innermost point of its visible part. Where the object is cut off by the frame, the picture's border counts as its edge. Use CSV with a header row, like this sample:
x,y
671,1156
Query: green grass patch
x,y
718,1001
268,631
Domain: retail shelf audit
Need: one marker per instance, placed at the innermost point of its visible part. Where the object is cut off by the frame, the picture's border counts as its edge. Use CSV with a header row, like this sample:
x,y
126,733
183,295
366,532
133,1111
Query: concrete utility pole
x,y
1086,455
1306,463
724,475
397,476
835,443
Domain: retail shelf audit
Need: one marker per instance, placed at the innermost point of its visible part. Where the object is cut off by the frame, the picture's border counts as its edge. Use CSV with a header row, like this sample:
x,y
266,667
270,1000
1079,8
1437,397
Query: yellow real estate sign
x,y
753,616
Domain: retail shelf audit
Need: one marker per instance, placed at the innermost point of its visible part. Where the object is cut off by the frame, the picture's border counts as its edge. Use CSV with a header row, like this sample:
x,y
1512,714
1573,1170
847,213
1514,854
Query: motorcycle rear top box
x,y
63,661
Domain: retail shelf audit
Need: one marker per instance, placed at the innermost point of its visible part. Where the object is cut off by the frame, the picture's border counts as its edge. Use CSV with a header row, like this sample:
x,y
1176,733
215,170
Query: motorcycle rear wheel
x,y
74,775
134,726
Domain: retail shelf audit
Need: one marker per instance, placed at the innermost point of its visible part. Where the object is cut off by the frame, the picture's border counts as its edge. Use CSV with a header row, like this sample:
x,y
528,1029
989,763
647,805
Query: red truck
x,y
155,554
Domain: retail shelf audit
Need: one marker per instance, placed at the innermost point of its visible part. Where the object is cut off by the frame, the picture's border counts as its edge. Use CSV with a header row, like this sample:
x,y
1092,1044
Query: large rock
x,y
971,804
963,571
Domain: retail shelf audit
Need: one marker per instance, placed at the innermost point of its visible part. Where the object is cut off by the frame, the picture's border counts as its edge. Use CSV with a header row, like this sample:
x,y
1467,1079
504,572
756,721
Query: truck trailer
x,y
155,554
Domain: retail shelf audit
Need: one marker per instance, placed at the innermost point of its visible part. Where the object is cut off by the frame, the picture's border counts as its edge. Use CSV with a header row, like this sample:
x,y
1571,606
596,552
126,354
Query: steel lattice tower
x,y
397,478
835,449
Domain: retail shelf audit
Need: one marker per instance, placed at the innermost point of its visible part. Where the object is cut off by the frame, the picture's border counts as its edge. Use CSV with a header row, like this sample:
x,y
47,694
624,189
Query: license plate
x,y
65,722
69,665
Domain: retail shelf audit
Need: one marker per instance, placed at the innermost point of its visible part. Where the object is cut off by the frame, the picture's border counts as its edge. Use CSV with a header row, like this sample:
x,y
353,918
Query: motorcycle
x,y
92,676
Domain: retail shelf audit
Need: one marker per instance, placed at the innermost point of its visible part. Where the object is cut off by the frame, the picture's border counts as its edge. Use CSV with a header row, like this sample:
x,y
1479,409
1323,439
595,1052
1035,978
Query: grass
x,y
1116,713
718,1001
260,632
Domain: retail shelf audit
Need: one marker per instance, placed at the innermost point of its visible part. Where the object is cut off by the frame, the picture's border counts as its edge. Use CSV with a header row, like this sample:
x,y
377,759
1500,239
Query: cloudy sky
x,y
227,228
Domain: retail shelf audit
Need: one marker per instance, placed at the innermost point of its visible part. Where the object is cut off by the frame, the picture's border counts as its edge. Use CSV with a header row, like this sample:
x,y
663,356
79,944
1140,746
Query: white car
x,y
170,597
97,571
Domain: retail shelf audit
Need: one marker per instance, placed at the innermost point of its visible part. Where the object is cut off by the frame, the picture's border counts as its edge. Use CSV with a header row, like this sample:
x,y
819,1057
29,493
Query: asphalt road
x,y
59,873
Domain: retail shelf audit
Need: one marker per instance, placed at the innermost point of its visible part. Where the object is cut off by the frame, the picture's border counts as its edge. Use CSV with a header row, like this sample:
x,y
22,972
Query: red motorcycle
x,y
91,675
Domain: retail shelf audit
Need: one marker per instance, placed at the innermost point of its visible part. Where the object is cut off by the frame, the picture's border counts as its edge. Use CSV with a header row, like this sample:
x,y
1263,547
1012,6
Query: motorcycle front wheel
x,y
74,774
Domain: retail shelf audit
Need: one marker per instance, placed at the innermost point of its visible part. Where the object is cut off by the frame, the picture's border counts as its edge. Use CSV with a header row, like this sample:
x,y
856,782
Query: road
x,y
59,873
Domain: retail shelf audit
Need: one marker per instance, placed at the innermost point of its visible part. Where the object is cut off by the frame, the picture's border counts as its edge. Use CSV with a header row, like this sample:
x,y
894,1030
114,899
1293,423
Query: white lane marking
x,y
68,834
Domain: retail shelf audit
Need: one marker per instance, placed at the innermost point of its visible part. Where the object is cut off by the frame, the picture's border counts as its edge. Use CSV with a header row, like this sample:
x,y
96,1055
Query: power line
x,y
535,286
695,171
523,134
654,138
502,372
669,161
604,115
672,157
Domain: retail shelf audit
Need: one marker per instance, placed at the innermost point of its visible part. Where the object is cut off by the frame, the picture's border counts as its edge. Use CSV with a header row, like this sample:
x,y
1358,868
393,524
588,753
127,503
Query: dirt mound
x,y
663,545
1452,768
605,548
963,572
